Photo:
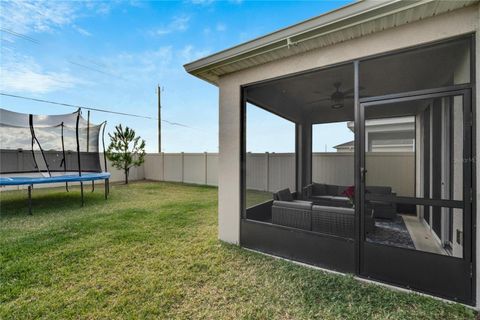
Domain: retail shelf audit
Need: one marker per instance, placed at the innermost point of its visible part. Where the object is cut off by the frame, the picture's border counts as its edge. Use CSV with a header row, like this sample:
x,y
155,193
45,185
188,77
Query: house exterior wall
x,y
433,29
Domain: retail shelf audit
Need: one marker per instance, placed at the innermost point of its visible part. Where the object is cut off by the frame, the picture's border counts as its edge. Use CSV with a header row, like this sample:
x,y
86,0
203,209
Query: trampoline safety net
x,y
49,143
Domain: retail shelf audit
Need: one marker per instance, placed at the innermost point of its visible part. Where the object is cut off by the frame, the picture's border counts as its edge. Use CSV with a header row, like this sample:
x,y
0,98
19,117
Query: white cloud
x,y
138,66
190,53
41,16
81,30
202,2
151,66
27,17
101,7
221,27
21,73
29,77
179,23
209,2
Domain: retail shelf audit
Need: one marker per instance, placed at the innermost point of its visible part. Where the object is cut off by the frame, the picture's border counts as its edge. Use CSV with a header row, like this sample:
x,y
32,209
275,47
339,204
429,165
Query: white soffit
x,y
352,21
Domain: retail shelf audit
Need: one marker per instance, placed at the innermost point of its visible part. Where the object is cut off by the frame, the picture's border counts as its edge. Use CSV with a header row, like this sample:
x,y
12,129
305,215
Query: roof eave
x,y
348,16
282,35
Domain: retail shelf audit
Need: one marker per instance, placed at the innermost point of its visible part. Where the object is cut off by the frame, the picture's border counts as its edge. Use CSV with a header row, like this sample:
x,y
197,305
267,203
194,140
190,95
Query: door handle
x,y
364,173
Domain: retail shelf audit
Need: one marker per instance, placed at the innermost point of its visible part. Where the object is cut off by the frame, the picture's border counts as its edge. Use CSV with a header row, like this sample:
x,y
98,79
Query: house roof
x,y
351,21
349,144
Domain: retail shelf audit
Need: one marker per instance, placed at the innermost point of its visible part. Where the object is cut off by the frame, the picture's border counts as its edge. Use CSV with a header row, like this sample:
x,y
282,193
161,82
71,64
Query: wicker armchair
x,y
295,214
304,215
333,220
338,221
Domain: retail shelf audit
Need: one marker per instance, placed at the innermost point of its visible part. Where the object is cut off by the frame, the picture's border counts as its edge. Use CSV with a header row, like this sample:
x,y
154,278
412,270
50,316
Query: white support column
x,y
229,163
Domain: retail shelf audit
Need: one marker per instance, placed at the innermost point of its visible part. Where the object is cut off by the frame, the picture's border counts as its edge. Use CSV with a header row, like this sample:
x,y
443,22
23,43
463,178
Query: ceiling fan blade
x,y
352,90
317,101
351,97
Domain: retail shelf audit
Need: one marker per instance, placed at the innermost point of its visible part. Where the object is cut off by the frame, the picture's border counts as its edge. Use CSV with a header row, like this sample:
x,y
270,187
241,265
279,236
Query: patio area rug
x,y
392,233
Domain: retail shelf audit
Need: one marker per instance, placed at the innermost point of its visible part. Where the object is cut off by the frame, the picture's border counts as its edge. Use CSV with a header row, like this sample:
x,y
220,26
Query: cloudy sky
x,y
113,54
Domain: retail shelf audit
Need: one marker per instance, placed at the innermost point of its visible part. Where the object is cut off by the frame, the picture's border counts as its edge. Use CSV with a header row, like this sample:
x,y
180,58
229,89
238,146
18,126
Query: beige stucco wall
x,y
441,27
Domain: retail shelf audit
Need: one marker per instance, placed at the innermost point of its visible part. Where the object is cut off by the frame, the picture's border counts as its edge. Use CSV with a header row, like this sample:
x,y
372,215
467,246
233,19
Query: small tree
x,y
125,150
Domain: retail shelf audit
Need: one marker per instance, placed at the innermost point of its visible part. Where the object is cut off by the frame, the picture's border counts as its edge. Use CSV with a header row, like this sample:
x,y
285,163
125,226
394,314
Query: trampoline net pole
x,y
103,144
78,149
64,160
30,123
32,129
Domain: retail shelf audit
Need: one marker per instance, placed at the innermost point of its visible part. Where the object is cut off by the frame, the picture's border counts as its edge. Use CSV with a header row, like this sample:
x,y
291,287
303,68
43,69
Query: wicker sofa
x,y
305,215
326,195
333,195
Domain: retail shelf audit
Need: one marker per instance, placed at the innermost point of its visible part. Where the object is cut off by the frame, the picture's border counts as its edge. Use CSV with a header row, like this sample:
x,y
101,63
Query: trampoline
x,y
47,149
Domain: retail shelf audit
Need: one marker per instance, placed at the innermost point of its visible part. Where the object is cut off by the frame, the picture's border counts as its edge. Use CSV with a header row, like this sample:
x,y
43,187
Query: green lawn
x,y
254,197
151,251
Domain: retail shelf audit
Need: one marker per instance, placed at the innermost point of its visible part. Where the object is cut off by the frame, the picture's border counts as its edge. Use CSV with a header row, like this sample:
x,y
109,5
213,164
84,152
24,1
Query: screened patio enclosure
x,y
375,178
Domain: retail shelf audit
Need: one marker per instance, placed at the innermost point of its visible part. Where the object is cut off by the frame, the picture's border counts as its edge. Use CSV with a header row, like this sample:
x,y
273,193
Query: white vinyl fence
x,y
274,171
198,168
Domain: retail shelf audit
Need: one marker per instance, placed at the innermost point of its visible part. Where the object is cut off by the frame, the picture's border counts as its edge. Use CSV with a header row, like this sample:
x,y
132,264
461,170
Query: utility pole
x,y
159,119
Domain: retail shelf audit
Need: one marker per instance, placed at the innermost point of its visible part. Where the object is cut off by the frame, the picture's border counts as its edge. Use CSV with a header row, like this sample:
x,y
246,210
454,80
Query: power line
x,y
95,69
20,35
76,107
28,38
94,109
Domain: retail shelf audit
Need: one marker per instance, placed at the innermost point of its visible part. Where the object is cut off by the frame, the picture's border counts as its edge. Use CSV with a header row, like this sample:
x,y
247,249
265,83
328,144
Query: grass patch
x,y
151,251
254,197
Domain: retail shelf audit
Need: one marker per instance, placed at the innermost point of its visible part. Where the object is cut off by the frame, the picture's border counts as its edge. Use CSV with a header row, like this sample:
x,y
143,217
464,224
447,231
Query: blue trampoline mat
x,y
15,181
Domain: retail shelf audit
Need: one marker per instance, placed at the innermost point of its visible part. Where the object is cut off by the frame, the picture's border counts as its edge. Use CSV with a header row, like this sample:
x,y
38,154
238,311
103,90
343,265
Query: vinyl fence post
x,y
163,165
206,168
183,167
268,170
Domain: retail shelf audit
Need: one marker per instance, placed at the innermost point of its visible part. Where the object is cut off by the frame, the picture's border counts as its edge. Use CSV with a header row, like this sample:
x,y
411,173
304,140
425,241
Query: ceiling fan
x,y
337,97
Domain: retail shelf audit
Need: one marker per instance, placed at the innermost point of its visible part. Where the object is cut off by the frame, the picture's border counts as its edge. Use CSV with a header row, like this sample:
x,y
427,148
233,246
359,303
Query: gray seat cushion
x,y
301,205
332,189
319,188
284,195
334,209
378,190
338,198
322,197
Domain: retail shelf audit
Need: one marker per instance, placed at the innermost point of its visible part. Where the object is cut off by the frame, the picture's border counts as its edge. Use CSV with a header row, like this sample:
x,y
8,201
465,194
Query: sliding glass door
x,y
416,177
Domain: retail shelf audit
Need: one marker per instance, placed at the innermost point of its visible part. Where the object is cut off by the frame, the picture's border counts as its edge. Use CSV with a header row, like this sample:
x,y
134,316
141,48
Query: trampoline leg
x,y
66,186
106,189
30,200
93,186
81,191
